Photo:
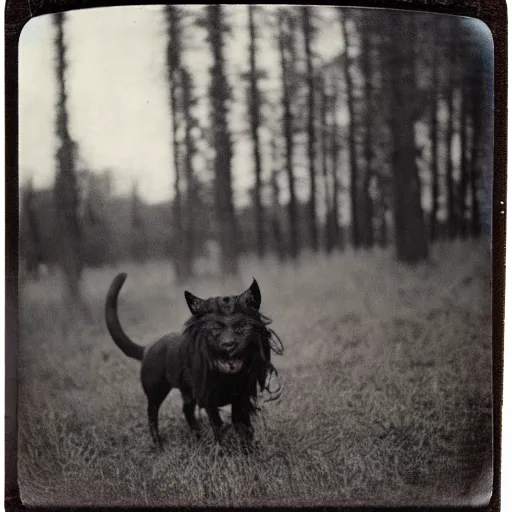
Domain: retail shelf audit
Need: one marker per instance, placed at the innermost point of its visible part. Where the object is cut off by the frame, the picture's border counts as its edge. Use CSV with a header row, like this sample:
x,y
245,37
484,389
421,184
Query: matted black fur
x,y
222,357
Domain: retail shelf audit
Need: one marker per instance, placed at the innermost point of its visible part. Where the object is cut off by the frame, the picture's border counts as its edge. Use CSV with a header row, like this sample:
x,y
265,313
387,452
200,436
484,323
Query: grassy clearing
x,y
386,389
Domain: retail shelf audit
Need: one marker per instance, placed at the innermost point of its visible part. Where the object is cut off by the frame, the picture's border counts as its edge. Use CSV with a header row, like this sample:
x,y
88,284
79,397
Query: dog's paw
x,y
157,445
219,433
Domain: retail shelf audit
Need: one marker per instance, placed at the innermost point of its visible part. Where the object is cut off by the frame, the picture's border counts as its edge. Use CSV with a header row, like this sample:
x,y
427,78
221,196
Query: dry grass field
x,y
386,381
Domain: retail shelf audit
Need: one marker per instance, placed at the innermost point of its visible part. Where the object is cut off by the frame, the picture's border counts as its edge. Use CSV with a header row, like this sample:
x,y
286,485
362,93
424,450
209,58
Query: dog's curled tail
x,y
130,348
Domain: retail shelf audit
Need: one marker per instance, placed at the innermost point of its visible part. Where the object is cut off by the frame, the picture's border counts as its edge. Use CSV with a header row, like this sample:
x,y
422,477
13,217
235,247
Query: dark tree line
x,y
350,123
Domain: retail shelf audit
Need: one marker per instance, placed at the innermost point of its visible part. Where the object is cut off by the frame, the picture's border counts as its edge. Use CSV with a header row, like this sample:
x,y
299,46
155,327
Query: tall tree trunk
x,y
66,192
276,208
138,238
220,95
328,226
276,225
335,149
382,78
191,205
366,200
450,186
288,136
383,209
411,242
356,239
463,183
255,102
30,235
434,142
173,66
307,31
476,118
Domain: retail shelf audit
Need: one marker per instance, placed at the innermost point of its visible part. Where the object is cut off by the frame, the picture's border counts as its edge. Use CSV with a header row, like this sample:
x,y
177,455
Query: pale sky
x,y
118,92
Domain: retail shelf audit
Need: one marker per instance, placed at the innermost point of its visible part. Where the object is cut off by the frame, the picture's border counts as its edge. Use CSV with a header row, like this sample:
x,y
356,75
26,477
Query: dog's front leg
x,y
241,418
215,421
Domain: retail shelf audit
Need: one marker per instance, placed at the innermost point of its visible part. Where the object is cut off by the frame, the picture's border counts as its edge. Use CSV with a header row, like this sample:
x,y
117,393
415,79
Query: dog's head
x,y
232,330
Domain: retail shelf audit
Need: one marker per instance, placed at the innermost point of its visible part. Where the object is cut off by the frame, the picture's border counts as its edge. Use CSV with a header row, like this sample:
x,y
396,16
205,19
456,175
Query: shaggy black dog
x,y
221,357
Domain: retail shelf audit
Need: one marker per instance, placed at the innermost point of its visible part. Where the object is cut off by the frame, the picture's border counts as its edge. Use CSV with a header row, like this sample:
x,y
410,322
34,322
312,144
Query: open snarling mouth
x,y
227,364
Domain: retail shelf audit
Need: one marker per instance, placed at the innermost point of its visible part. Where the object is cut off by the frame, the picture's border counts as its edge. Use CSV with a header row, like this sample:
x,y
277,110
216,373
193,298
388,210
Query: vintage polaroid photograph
x,y
255,257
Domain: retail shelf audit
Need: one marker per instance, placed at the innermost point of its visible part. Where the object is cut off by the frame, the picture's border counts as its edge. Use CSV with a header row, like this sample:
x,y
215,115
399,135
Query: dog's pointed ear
x,y
195,304
252,296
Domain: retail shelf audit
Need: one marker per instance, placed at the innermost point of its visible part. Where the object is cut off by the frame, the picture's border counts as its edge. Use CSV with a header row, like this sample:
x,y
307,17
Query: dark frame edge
x,y
492,12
